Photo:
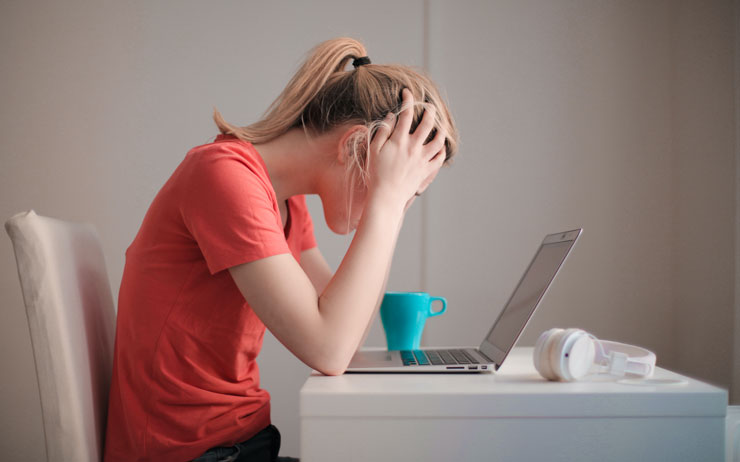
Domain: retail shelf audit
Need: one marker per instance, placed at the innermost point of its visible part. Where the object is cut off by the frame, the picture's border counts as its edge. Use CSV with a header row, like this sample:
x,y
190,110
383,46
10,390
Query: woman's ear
x,y
350,138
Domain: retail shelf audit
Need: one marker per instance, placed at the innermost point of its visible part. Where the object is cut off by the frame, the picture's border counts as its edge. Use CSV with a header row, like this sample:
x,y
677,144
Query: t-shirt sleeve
x,y
230,212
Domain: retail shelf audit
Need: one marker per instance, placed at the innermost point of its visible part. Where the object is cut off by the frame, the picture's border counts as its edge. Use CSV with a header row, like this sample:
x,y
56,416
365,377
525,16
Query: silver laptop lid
x,y
528,294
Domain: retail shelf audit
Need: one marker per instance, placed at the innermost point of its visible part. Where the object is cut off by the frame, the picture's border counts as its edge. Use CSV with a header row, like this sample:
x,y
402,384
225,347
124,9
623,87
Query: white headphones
x,y
569,354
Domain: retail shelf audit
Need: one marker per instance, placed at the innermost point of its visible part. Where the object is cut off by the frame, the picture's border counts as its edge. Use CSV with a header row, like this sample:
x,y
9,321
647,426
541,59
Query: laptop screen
x,y
528,293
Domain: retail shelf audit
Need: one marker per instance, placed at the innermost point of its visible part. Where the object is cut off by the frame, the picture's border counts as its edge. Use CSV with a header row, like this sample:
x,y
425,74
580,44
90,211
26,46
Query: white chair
x,y
71,319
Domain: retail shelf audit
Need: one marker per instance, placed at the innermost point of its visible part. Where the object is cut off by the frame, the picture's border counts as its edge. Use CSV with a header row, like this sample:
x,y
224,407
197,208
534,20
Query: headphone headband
x,y
568,354
626,358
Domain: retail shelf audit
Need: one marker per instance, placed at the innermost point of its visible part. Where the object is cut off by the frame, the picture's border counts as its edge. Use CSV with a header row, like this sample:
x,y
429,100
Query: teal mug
x,y
404,314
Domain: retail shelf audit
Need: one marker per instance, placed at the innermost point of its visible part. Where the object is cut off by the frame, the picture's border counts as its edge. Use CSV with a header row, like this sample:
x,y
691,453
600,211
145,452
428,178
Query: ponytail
x,y
323,95
324,60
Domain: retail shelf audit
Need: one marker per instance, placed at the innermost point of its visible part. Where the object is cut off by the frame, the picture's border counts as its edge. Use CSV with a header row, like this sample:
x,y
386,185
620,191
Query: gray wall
x,y
619,117
614,116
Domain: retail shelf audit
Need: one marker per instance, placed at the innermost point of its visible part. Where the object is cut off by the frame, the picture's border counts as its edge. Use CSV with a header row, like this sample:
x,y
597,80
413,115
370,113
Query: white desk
x,y
512,415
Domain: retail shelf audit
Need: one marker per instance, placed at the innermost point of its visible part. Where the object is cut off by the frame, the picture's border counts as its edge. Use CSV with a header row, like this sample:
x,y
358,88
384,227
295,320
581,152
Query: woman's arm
x,y
318,271
316,268
324,330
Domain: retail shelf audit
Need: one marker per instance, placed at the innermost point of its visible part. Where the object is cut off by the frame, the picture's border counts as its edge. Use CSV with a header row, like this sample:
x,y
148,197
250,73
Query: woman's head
x,y
324,94
327,93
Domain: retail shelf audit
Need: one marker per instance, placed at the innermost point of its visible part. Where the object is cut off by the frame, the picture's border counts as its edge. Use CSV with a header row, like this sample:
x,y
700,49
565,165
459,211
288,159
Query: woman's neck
x,y
294,161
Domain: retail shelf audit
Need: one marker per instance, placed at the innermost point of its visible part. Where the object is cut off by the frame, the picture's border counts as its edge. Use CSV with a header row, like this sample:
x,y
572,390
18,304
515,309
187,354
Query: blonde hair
x,y
323,95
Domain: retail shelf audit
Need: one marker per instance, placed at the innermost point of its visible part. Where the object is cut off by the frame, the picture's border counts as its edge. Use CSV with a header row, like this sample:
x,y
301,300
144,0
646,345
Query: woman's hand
x,y
400,164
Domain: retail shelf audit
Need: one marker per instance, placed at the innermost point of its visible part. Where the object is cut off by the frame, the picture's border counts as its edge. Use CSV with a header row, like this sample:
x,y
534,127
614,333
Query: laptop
x,y
507,328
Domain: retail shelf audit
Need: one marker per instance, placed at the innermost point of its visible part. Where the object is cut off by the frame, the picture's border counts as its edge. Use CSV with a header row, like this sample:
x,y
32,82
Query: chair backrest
x,y
71,318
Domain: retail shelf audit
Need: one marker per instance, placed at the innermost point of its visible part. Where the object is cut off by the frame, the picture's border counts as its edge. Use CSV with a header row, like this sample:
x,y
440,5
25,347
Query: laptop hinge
x,y
483,355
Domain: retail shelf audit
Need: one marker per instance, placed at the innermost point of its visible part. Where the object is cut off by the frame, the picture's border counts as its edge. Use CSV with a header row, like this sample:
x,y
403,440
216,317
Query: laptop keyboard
x,y
436,357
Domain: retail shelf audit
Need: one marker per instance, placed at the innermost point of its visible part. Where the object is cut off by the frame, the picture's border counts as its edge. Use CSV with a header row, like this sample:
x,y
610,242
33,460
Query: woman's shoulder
x,y
227,144
227,151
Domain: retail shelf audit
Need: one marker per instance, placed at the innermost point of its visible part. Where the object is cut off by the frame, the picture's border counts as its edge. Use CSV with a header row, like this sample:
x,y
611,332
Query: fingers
x,y
432,170
403,126
382,133
425,126
439,159
422,131
437,143
405,161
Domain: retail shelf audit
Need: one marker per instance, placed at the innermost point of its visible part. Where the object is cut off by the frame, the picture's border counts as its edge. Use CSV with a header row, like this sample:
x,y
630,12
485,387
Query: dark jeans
x,y
262,447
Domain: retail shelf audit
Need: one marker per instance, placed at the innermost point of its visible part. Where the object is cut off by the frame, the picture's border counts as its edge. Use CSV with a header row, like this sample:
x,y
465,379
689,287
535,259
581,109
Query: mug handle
x,y
431,302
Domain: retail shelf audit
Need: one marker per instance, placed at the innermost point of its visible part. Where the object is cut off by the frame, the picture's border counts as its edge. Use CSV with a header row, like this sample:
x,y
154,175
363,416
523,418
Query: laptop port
x,y
473,367
455,367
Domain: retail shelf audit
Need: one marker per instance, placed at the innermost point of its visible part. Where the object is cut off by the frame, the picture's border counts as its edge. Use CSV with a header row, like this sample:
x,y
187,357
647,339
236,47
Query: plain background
x,y
620,117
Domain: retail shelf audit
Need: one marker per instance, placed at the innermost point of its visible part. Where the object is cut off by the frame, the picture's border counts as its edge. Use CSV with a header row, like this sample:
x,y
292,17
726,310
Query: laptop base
x,y
372,360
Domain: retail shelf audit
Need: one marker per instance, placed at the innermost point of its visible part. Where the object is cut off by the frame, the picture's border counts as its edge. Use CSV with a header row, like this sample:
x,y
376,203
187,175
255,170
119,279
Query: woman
x,y
227,249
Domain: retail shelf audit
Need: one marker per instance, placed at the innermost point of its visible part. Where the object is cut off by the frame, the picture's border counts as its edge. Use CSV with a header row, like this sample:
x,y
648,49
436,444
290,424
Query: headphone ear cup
x,y
559,356
542,350
578,356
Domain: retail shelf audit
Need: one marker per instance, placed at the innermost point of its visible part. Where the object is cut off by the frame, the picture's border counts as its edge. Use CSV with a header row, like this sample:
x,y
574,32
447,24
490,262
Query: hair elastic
x,y
357,62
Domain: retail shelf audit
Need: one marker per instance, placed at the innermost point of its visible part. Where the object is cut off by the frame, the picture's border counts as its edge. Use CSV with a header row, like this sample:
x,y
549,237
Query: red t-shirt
x,y
185,374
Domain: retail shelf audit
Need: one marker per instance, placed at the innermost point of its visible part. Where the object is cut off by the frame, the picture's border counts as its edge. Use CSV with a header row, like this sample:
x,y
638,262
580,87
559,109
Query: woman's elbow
x,y
333,366
333,372
333,362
